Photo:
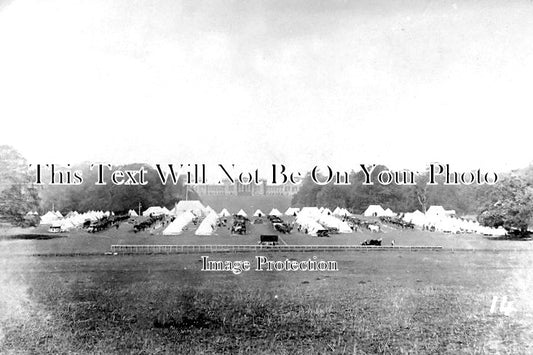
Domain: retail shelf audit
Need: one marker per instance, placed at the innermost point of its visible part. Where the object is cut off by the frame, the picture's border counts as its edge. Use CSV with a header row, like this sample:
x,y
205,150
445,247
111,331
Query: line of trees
x,y
19,195
110,197
358,196
508,203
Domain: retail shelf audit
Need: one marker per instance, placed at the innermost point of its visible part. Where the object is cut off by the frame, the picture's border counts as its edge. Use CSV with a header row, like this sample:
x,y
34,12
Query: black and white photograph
x,y
266,177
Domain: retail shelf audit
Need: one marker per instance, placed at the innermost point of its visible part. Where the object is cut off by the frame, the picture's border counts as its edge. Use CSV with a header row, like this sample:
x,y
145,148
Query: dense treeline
x,y
464,199
510,203
110,197
17,193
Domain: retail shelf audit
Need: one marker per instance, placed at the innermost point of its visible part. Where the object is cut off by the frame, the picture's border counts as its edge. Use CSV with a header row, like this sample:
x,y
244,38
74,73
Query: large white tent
x,y
154,210
208,210
259,213
341,212
94,216
292,211
242,213
71,214
416,217
448,225
326,211
224,213
208,225
374,211
67,225
436,211
76,220
177,226
337,211
193,206
308,224
312,212
275,212
49,217
333,222
389,213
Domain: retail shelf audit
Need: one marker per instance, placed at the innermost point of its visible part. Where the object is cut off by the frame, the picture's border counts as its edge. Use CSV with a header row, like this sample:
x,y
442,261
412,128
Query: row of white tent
x,y
180,222
450,224
186,211
199,210
378,211
437,217
206,227
209,223
193,206
72,220
291,211
50,217
314,219
310,219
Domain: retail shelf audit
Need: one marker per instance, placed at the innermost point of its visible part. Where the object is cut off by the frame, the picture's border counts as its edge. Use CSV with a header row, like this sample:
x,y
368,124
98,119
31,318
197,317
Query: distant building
x,y
238,189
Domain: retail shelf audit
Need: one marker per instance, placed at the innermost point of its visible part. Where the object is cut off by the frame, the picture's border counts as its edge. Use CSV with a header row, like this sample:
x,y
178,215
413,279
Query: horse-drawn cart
x,y
268,239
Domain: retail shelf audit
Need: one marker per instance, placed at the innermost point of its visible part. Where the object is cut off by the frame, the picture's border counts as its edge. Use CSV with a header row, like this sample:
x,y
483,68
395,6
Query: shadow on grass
x,y
33,236
510,237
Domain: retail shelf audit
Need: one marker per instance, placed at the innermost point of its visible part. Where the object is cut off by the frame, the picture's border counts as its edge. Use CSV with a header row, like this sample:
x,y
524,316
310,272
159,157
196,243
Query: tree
x,y
333,196
510,205
393,196
307,194
18,195
110,197
464,199
421,191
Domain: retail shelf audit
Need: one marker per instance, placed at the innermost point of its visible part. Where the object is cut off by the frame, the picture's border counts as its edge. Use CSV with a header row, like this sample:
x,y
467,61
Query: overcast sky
x,y
304,82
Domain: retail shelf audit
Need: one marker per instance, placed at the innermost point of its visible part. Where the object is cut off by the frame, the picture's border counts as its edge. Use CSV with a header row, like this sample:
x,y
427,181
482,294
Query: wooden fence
x,y
191,249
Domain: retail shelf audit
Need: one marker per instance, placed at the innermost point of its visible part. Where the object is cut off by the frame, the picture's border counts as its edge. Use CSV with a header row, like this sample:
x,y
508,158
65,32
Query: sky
x,y
304,83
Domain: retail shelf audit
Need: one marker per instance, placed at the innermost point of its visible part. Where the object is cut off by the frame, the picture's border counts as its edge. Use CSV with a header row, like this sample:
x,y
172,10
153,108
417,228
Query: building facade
x,y
238,189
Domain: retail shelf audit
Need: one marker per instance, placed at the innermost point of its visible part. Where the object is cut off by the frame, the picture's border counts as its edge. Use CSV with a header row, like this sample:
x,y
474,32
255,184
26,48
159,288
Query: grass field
x,y
393,302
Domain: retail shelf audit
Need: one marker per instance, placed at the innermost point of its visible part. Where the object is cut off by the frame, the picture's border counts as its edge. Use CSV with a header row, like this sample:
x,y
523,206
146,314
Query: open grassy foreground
x,y
378,302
